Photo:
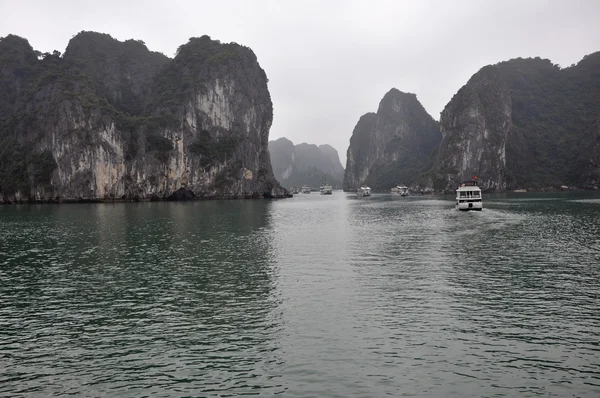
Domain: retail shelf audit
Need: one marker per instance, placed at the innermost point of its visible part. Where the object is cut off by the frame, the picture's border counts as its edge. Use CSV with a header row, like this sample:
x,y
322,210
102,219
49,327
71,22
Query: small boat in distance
x,y
468,196
294,190
364,191
305,189
326,190
400,190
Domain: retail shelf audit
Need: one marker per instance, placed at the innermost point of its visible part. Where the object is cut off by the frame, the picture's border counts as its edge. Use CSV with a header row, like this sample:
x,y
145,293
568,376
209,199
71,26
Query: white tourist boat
x,y
400,190
305,189
468,196
326,190
364,191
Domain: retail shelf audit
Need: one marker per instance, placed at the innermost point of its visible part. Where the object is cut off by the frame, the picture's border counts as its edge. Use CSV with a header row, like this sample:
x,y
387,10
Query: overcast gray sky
x,y
330,61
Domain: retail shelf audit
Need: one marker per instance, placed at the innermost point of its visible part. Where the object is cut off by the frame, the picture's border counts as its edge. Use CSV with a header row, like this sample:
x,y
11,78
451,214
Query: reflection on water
x,y
311,296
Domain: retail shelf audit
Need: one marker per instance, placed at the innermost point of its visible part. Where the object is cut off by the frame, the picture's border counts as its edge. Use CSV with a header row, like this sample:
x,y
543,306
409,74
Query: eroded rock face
x,y
204,124
525,123
474,127
392,146
360,152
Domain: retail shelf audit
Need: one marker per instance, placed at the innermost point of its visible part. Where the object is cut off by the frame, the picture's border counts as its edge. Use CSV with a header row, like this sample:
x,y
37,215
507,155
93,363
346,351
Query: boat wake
x,y
592,201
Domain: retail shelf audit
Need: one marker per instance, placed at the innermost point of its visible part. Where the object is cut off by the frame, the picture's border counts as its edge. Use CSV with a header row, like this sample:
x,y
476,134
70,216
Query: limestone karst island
x,y
110,120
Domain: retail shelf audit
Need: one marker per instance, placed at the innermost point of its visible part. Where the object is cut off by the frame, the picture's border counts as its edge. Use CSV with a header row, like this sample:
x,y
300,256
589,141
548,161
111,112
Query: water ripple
x,y
313,296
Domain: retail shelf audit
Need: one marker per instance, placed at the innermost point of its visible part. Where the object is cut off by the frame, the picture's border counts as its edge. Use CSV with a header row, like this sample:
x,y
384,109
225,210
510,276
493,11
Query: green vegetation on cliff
x,y
212,150
21,166
523,123
556,122
115,107
199,61
474,125
120,72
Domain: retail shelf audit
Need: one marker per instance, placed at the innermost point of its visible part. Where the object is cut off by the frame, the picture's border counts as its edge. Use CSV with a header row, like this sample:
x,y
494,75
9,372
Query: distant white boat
x,y
305,189
400,190
468,196
326,190
364,191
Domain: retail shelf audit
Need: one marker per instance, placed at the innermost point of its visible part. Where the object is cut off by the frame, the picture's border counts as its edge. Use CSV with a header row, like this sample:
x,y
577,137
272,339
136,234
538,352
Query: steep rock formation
x,y
120,72
359,152
296,165
282,158
77,129
523,123
555,137
392,146
474,127
337,170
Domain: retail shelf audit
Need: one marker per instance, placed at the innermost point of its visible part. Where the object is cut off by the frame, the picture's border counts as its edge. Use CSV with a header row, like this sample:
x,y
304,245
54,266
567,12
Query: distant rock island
x,y
297,165
392,146
520,124
112,120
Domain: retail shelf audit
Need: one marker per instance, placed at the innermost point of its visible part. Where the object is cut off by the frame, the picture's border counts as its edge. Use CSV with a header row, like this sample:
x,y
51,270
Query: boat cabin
x,y
468,196
326,190
364,191
400,190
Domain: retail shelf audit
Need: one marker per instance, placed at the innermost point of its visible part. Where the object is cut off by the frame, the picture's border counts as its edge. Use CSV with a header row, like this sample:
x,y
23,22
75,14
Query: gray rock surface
x,y
297,165
524,124
474,127
392,146
111,120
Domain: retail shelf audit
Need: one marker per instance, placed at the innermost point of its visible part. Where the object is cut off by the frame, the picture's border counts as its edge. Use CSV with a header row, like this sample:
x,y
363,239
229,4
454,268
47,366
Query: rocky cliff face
x,y
554,138
120,72
111,120
392,146
336,169
296,165
474,126
523,123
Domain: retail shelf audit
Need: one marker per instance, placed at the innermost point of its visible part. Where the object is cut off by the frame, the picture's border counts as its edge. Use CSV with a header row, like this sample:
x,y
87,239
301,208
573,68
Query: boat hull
x,y
400,191
467,206
326,190
364,191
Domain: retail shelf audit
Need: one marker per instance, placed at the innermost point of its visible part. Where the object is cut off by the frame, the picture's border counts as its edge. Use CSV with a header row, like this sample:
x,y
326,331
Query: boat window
x,y
463,194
